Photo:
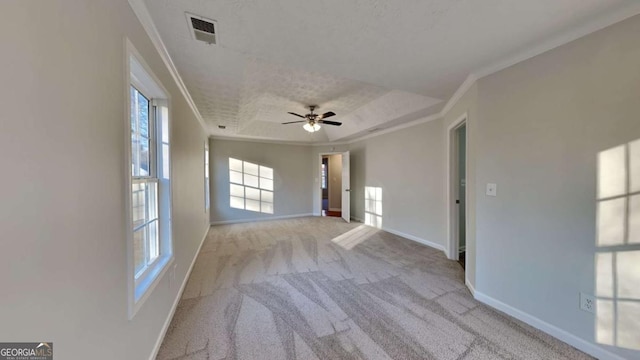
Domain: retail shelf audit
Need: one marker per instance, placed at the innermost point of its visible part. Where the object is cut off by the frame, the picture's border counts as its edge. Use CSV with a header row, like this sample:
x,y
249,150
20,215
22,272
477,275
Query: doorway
x,y
334,185
457,181
331,185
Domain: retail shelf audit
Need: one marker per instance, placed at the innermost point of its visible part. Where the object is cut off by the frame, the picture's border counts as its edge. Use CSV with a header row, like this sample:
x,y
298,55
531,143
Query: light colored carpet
x,y
319,288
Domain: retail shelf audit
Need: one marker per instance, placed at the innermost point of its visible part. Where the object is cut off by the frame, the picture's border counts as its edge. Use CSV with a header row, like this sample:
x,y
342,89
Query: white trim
x,y
552,330
133,57
452,244
598,24
462,89
415,238
423,120
246,138
469,285
238,221
141,11
357,219
167,322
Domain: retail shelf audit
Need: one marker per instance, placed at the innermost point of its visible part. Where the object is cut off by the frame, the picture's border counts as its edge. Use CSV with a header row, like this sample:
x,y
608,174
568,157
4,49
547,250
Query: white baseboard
x,y
470,287
167,322
578,343
416,239
238,221
356,219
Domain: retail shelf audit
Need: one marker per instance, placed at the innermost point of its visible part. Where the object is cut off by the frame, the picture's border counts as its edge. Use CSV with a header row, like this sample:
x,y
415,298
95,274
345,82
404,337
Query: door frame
x,y
452,191
320,175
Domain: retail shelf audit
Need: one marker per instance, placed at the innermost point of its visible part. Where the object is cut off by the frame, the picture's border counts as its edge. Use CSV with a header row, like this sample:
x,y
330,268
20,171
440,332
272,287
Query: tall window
x,y
251,186
207,181
144,181
149,233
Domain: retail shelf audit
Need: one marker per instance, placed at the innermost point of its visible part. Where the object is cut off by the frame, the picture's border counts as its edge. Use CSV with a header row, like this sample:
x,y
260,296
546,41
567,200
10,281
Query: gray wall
x,y
541,127
62,214
407,164
293,177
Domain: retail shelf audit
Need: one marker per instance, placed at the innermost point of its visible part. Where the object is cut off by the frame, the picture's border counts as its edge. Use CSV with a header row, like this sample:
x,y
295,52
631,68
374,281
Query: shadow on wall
x,y
617,261
251,186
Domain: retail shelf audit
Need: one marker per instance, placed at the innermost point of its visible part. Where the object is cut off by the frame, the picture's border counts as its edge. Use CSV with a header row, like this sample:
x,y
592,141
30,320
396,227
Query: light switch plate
x,y
492,189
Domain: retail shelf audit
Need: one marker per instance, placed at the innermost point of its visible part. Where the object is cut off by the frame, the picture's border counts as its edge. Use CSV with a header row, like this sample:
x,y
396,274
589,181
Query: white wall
x,y
293,177
407,164
542,125
62,212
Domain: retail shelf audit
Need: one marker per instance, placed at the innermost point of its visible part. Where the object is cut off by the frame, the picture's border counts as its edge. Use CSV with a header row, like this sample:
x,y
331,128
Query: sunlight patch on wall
x,y
251,186
617,261
373,206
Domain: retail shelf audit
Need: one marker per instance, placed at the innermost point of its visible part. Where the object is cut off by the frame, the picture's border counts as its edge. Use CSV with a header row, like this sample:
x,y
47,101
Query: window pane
x,y
251,180
253,205
138,204
267,196
143,113
144,154
236,202
235,177
236,190
267,208
253,194
251,169
138,249
266,172
154,241
235,164
266,184
152,200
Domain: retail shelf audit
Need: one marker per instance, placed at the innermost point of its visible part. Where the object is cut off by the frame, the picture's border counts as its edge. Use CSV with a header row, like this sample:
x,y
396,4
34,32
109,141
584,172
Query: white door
x,y
346,189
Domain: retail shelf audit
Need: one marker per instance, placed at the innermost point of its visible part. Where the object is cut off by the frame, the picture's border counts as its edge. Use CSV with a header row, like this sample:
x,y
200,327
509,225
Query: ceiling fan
x,y
312,120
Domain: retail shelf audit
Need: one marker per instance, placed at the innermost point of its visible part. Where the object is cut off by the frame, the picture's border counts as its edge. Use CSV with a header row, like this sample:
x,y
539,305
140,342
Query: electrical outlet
x,y
587,303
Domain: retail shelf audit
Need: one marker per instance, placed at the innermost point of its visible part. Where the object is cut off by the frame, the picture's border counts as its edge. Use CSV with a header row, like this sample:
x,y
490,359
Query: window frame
x,y
207,178
139,75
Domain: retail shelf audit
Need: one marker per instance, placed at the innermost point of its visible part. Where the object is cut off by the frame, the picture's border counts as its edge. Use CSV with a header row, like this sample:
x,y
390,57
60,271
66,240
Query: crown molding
x,y
141,11
261,140
601,22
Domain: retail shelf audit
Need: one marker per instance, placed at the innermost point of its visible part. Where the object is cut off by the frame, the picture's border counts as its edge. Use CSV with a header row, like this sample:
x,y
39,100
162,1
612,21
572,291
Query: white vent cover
x,y
202,29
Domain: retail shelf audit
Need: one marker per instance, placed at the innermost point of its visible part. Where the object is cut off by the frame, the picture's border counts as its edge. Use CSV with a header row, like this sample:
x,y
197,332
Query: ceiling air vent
x,y
202,29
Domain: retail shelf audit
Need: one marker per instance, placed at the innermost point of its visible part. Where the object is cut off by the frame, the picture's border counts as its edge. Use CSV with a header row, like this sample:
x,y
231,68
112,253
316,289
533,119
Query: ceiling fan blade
x,y
330,122
294,114
294,122
328,114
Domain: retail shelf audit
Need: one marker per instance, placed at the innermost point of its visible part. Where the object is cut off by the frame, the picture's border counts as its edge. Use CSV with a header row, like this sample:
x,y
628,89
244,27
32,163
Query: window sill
x,y
144,286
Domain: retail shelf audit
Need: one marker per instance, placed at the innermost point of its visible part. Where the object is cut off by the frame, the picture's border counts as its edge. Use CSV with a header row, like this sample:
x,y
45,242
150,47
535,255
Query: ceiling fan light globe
x,y
311,128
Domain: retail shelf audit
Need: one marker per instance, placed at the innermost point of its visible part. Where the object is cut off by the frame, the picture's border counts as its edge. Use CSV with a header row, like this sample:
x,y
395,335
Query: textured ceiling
x,y
372,62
